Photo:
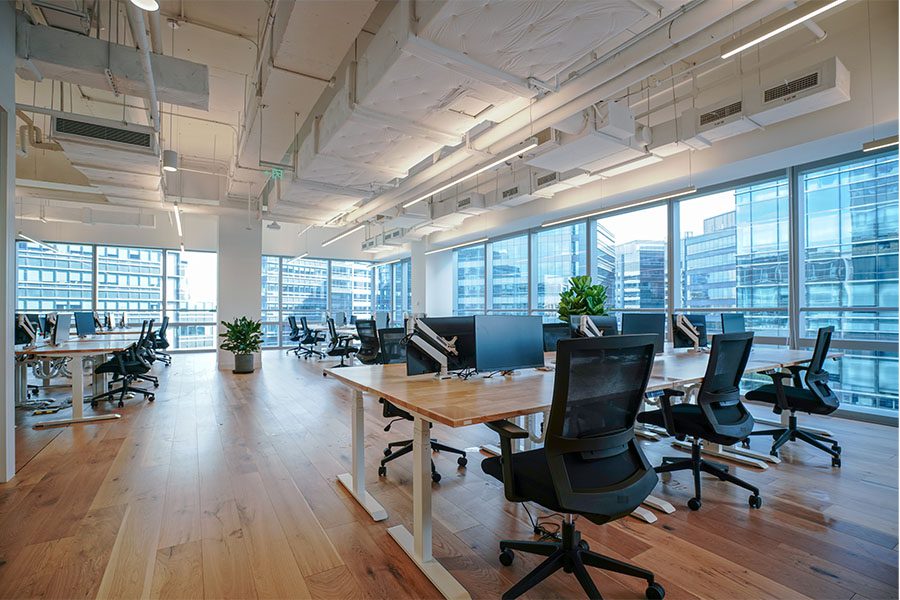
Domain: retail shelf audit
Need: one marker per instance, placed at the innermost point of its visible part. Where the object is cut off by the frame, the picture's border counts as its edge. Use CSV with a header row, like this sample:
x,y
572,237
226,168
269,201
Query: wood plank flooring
x,y
226,487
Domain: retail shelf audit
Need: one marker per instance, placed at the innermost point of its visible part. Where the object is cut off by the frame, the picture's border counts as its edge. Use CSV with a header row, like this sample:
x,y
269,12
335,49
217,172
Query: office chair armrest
x,y
666,406
796,370
508,432
778,378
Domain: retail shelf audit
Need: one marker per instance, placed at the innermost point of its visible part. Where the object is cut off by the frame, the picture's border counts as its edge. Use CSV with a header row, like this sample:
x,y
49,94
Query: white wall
x,y
7,234
439,284
240,275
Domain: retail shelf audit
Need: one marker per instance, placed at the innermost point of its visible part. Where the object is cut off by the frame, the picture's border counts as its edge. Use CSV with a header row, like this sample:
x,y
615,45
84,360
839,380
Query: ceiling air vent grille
x,y
548,178
509,193
102,132
791,87
720,113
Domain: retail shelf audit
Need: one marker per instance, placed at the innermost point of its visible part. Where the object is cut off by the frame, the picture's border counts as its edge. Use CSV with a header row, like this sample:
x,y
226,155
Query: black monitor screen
x,y
553,332
681,340
606,325
733,323
61,328
462,328
646,323
84,323
504,343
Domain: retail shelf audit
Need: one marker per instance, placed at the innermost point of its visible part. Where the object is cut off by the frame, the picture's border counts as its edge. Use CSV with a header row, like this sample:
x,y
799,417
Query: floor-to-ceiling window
x,y
732,252
57,277
129,280
848,267
351,288
402,286
469,281
191,289
507,271
270,299
304,288
558,254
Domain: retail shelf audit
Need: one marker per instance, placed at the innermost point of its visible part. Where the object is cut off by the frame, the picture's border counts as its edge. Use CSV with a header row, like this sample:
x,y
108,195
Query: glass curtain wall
x,y
120,279
507,270
558,254
469,283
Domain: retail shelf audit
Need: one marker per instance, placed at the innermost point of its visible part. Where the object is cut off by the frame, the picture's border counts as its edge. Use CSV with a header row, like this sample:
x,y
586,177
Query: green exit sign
x,y
277,173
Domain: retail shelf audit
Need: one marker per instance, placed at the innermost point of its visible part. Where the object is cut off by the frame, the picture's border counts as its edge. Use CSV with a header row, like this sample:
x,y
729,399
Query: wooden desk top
x,y
95,345
457,403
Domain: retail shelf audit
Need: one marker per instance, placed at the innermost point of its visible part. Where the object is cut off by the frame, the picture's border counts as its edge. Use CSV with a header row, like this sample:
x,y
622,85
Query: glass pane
x,y
191,288
468,289
48,281
269,293
130,281
509,275
383,287
304,289
865,379
558,254
634,243
402,291
351,288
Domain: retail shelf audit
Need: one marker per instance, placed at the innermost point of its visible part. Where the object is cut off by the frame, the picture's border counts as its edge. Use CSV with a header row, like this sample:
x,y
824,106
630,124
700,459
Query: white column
x,y
240,274
7,234
418,274
439,296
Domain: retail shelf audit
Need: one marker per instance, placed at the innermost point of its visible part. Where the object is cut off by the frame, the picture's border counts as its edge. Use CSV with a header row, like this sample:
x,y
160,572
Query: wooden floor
x,y
225,487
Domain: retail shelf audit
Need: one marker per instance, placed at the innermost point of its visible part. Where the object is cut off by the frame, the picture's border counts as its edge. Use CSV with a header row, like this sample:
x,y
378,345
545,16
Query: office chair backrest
x,y
393,350
597,467
367,332
163,328
719,396
733,323
292,323
332,330
816,377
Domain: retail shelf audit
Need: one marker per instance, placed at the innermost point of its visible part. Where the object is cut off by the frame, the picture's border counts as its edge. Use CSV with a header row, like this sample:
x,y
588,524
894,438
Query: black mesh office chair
x,y
309,340
718,417
368,352
338,345
161,343
294,336
815,398
590,464
393,350
145,348
126,367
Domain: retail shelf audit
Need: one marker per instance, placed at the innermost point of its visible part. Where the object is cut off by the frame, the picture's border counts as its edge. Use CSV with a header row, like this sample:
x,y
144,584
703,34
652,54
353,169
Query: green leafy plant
x,y
242,336
582,297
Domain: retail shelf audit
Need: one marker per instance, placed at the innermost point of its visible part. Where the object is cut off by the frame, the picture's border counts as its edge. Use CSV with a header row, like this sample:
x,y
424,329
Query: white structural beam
x,y
65,56
337,190
464,65
383,169
414,129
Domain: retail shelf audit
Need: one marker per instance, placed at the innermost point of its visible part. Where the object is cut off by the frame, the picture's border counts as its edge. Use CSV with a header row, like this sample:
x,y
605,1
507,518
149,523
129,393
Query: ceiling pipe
x,y
155,31
35,138
138,29
251,110
682,38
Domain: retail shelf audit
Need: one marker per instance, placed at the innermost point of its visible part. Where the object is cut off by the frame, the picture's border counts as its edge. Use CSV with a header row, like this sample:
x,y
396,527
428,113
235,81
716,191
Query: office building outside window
x,y
351,288
508,272
191,288
129,280
558,254
402,285
48,281
469,288
270,301
304,289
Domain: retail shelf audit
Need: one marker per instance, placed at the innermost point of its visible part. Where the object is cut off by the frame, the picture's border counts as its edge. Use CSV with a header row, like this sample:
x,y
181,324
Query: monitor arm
x,y
425,339
687,328
25,324
587,328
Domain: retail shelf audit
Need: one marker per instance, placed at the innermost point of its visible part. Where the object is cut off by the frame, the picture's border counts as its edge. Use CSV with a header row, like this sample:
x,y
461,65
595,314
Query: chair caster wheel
x,y
382,471
567,569
462,461
755,501
694,504
745,443
436,477
836,448
583,545
774,453
655,592
121,404
156,384
835,462
387,451
324,374
93,405
506,557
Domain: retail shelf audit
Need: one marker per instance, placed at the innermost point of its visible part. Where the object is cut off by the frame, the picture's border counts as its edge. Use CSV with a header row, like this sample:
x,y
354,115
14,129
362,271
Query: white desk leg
x,y
659,504
530,419
642,514
418,544
21,383
77,399
355,481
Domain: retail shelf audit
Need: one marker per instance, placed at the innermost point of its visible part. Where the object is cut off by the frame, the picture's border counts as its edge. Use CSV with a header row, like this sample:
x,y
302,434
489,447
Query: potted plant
x,y
582,297
243,337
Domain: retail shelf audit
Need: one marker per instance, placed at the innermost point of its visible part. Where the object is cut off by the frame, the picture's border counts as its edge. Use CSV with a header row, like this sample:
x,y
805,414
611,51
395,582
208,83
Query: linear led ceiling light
x,y
177,212
343,235
472,243
43,245
879,144
150,5
472,174
666,196
780,24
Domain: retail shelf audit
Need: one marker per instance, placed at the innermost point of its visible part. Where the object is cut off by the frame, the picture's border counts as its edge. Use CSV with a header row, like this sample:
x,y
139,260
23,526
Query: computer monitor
x,y
508,342
606,325
681,338
61,329
25,331
646,323
733,323
462,328
84,323
97,323
553,332
382,318
44,326
340,318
